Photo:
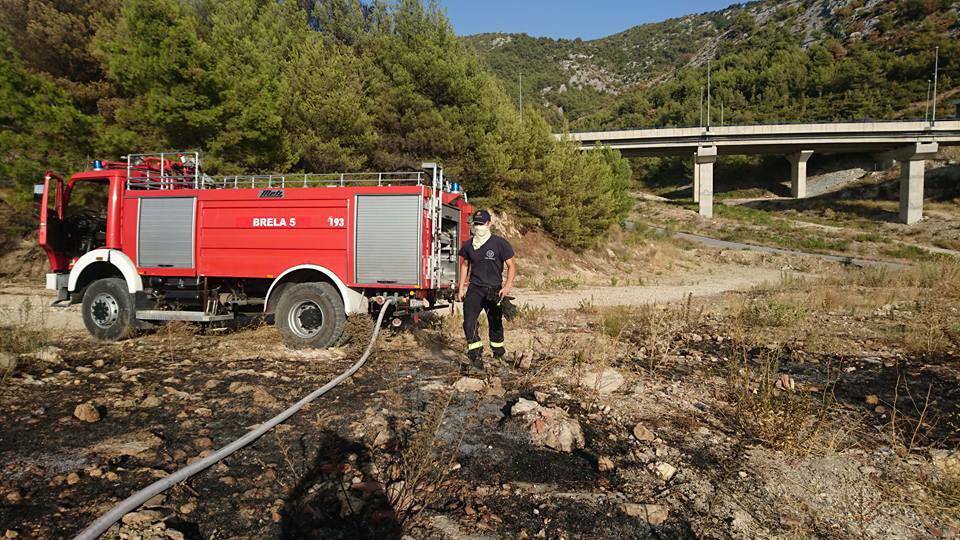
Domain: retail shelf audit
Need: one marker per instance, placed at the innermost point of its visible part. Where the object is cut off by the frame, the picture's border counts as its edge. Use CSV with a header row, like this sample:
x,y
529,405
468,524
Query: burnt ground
x,y
398,450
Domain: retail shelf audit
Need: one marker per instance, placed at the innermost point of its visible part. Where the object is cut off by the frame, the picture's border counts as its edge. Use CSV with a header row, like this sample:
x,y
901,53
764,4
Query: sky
x,y
587,19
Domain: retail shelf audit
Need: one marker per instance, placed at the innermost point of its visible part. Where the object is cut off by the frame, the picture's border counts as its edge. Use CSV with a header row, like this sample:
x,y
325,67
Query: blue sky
x,y
587,19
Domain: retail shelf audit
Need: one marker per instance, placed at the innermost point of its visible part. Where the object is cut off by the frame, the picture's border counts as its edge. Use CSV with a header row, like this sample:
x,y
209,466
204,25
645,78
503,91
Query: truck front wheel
x,y
108,309
310,316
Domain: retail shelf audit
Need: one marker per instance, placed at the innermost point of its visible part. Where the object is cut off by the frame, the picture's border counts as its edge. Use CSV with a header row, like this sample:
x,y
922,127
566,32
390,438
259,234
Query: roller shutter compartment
x,y
165,232
387,239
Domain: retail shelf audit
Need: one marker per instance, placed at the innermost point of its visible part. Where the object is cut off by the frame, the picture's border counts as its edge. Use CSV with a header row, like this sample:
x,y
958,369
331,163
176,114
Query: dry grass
x,y
26,332
415,478
776,312
765,408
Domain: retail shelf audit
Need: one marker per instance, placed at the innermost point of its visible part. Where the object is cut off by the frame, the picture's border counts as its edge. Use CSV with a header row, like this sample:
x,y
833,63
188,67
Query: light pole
x,y
708,94
926,109
936,67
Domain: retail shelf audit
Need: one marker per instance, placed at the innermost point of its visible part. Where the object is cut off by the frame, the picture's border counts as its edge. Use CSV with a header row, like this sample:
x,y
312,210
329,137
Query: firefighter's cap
x,y
480,217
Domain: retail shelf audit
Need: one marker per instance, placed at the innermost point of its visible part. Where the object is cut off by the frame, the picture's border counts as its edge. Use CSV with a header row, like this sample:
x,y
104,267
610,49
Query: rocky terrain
x,y
824,405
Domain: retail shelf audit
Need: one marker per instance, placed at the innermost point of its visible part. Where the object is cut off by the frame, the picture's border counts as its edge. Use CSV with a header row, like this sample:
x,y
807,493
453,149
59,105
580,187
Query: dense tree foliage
x,y
264,86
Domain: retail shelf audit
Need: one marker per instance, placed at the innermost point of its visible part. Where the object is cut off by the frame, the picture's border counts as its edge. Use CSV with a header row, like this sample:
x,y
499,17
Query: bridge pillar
x,y
911,180
696,179
703,176
798,173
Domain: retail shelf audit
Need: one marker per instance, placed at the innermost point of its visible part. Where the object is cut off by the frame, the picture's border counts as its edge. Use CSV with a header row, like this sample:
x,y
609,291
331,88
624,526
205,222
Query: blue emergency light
x,y
97,164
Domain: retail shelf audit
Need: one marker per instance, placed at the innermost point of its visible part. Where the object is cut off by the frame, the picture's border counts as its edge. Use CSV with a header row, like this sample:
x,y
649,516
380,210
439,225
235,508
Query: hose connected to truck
x,y
134,501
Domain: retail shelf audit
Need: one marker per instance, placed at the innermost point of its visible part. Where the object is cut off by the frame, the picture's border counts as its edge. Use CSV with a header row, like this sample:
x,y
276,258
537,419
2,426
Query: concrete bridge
x,y
911,143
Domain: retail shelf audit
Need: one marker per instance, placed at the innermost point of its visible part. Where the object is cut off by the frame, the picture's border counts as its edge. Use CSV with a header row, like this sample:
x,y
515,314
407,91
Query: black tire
x,y
108,309
310,316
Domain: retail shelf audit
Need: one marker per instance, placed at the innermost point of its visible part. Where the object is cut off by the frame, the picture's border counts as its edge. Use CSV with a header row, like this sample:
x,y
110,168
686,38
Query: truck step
x,y
193,316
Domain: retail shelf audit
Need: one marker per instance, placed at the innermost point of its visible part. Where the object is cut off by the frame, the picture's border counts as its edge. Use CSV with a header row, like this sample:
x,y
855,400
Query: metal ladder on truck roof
x,y
182,170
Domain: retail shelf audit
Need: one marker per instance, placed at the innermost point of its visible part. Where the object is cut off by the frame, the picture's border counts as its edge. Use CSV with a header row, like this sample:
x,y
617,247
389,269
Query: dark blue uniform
x,y
486,280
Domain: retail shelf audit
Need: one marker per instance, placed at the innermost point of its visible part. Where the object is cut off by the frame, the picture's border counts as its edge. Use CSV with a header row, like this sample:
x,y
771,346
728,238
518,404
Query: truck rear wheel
x,y
310,316
108,309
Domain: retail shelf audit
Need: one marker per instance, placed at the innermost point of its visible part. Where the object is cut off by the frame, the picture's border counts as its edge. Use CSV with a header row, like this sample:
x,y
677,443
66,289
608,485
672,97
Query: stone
x,y
142,517
665,471
523,406
605,464
551,427
604,381
188,508
136,444
785,382
10,533
495,388
469,384
73,478
238,387
526,361
150,402
654,514
112,476
86,412
262,397
872,400
541,397
155,501
202,443
642,434
48,355
99,363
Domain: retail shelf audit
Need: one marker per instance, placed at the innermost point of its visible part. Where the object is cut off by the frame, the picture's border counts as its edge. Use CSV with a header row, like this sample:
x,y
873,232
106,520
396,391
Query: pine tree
x,y
39,127
166,96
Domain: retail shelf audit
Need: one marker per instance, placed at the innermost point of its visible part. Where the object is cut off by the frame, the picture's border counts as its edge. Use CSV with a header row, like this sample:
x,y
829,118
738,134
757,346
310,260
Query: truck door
x,y
52,237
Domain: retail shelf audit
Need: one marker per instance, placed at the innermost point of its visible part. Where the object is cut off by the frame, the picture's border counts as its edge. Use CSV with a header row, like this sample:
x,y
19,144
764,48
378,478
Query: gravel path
x,y
729,278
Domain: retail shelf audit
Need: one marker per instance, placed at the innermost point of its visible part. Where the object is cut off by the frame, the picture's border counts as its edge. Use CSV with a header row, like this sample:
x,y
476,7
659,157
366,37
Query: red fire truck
x,y
152,239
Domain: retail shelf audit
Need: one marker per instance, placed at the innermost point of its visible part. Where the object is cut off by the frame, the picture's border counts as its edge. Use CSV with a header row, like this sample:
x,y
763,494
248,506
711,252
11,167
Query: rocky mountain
x,y
842,46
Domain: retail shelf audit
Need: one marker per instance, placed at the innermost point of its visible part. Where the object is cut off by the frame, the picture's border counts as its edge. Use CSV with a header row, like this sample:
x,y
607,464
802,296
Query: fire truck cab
x,y
152,239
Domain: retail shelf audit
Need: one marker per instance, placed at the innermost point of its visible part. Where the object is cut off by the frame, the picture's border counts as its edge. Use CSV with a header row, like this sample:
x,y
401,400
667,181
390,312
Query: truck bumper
x,y
58,282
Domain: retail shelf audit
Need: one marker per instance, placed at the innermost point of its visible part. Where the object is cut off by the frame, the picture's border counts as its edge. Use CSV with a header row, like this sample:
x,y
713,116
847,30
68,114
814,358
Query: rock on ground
x,y
86,412
605,381
129,444
550,427
469,384
643,434
654,514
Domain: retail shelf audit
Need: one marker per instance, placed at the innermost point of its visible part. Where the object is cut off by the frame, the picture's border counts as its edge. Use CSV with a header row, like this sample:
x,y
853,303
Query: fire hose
x,y
134,501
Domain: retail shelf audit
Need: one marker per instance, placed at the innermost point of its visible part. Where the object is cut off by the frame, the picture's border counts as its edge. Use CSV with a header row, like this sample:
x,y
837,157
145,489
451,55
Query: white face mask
x,y
481,233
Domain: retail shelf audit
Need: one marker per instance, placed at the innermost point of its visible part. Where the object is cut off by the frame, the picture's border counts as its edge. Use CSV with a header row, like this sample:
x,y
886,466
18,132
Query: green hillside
x,y
772,62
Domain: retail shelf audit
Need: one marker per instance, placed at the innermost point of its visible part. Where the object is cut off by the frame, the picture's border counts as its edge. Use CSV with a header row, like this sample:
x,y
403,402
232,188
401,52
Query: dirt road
x,y
723,279
19,302
15,300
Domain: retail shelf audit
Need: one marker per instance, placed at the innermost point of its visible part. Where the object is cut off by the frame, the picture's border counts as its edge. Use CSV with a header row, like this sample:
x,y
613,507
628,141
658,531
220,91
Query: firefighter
x,y
482,287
